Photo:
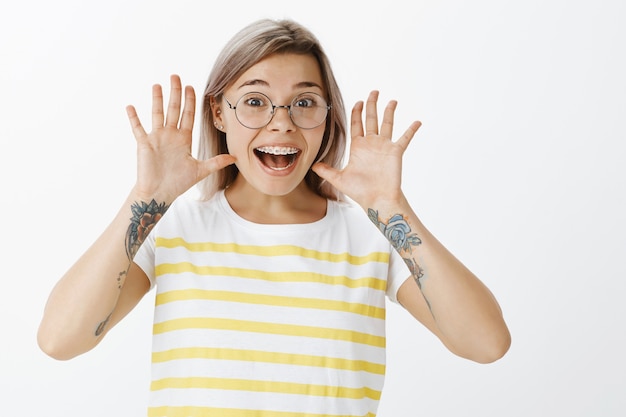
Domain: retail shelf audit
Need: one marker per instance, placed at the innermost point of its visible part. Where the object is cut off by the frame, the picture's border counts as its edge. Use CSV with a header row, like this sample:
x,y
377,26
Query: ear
x,y
216,110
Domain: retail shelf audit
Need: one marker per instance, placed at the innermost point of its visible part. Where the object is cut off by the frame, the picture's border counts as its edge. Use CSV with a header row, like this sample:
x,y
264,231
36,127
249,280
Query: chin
x,y
277,186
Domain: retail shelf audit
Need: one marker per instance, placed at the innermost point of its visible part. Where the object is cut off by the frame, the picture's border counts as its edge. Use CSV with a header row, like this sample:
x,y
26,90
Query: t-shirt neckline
x,y
291,227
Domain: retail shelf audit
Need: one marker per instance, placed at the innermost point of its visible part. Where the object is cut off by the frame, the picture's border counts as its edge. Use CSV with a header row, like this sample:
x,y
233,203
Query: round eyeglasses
x,y
256,110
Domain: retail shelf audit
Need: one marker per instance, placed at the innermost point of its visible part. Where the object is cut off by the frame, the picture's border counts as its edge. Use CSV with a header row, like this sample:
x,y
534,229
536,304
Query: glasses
x,y
256,110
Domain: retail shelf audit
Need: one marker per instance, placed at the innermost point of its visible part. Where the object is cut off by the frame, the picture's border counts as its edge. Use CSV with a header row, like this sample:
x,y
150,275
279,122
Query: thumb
x,y
211,165
326,172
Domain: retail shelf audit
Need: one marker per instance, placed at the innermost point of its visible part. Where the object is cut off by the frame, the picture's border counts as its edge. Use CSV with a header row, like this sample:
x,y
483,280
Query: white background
x,y
518,169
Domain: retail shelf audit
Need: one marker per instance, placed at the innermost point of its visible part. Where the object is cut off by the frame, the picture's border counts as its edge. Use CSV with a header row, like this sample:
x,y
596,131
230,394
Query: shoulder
x,y
351,218
189,204
187,212
349,213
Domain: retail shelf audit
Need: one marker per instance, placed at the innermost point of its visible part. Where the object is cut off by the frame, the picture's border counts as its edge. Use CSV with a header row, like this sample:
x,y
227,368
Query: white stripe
x,y
265,372
270,314
259,341
262,401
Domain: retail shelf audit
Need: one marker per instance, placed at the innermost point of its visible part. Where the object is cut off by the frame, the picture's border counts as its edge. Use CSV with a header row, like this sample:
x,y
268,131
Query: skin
x,y
443,295
104,284
260,194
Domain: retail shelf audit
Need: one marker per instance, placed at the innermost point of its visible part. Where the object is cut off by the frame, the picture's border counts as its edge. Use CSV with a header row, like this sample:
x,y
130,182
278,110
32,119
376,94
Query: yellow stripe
x,y
274,250
233,412
265,386
269,357
268,328
273,300
375,283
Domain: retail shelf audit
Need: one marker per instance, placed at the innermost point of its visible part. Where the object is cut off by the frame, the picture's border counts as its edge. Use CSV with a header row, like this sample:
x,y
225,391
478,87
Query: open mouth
x,y
277,158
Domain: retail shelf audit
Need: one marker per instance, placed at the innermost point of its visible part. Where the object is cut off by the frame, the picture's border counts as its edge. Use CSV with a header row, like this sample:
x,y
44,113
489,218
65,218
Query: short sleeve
x,y
398,273
144,258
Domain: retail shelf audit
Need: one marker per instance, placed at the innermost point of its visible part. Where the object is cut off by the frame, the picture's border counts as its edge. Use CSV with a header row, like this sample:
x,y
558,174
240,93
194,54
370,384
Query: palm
x,y
374,169
165,166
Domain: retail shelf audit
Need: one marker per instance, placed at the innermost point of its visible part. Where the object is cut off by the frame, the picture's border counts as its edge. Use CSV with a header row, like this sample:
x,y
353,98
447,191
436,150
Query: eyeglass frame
x,y
274,107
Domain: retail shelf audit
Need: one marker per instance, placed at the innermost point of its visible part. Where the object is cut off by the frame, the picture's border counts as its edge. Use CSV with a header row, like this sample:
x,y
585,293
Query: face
x,y
273,159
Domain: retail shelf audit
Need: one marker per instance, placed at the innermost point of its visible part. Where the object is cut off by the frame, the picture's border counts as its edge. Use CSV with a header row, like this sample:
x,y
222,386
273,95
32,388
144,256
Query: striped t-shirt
x,y
255,320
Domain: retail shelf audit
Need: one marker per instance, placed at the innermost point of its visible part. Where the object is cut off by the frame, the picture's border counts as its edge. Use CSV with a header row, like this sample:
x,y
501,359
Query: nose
x,y
281,120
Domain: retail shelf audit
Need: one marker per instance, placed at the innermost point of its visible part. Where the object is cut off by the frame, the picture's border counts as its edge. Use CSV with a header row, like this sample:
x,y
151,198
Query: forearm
x,y
466,314
80,307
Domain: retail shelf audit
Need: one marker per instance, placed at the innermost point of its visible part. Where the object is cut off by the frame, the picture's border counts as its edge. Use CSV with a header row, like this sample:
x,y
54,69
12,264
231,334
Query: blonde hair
x,y
249,46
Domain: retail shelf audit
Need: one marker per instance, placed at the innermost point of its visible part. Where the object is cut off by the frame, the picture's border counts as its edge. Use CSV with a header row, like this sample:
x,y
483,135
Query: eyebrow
x,y
302,84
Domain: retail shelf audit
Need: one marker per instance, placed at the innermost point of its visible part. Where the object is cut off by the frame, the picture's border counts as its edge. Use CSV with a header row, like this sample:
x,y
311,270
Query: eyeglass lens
x,y
255,110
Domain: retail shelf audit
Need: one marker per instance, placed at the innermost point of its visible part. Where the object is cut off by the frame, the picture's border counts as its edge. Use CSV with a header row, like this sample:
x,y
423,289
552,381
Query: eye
x,y
305,101
254,100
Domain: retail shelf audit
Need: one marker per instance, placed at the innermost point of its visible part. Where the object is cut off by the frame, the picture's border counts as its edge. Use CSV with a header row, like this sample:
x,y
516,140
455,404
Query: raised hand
x,y
165,165
374,170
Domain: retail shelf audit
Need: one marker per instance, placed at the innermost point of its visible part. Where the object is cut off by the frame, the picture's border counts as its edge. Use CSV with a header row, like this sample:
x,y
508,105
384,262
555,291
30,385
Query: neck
x,y
299,206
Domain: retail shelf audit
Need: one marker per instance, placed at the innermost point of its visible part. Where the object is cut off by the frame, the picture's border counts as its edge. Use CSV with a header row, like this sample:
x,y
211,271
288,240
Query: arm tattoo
x,y
102,325
145,216
399,234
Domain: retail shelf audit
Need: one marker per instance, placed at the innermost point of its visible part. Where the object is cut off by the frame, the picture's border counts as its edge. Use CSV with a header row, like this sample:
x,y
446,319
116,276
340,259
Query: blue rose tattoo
x,y
399,234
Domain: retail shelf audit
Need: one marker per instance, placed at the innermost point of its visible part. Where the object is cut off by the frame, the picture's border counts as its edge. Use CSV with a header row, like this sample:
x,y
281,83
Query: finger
x,y
214,164
371,114
135,123
157,106
326,172
189,110
386,127
173,108
356,122
405,139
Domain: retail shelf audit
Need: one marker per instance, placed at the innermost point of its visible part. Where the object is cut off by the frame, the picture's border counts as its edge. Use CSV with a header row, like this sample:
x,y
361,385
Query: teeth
x,y
278,150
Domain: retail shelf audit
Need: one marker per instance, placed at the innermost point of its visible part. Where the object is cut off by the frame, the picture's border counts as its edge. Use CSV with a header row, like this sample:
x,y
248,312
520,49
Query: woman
x,y
271,288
